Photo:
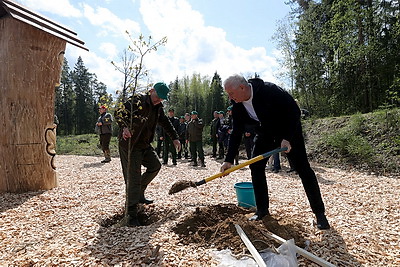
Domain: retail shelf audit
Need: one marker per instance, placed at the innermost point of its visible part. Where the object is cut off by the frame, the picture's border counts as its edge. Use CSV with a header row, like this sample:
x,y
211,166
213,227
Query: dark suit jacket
x,y
278,114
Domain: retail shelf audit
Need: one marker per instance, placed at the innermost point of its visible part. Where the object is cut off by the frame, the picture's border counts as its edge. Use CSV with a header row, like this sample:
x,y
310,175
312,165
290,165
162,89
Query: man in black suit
x,y
277,119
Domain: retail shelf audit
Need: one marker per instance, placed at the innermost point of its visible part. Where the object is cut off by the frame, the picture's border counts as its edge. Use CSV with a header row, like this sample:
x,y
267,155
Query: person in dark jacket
x,y
214,134
249,133
195,138
137,120
187,149
168,144
182,138
104,129
159,139
222,131
256,101
229,122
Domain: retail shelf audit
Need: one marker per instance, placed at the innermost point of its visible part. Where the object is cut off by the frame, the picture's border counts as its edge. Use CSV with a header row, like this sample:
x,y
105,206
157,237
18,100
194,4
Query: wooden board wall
x,y
29,70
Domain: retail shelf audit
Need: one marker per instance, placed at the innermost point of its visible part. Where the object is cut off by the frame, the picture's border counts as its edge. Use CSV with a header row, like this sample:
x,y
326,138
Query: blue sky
x,y
204,36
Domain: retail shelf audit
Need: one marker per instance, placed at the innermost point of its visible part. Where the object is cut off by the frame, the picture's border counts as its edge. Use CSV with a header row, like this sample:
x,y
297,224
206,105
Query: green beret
x,y
194,112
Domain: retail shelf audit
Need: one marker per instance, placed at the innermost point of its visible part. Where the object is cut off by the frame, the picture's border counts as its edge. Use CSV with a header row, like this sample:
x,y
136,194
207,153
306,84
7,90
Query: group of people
x,y
253,111
190,131
220,132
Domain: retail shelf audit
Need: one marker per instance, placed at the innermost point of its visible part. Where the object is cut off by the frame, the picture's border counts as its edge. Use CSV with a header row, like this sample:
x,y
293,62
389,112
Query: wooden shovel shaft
x,y
241,165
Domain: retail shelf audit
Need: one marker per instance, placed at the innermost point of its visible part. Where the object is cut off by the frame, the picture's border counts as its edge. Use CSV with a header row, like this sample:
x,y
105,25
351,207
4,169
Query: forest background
x,y
340,58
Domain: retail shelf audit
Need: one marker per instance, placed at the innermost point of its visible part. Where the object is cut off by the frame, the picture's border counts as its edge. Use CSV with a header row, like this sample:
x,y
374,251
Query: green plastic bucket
x,y
245,194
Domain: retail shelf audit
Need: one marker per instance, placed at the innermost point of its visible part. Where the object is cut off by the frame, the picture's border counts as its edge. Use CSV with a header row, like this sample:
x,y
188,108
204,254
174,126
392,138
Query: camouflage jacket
x,y
141,117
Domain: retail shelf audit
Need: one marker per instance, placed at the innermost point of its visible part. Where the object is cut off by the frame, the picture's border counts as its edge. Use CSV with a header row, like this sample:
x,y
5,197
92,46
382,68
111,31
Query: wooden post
x,y
30,68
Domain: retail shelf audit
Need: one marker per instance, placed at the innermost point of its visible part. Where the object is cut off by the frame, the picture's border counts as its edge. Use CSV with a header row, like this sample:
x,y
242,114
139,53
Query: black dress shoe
x,y
257,217
322,222
146,201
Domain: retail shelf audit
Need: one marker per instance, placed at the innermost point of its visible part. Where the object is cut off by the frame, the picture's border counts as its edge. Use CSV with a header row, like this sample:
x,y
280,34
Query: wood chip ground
x,y
66,226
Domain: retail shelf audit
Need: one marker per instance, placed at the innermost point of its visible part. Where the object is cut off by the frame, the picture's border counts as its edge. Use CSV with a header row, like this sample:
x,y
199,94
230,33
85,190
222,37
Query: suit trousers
x,y
298,158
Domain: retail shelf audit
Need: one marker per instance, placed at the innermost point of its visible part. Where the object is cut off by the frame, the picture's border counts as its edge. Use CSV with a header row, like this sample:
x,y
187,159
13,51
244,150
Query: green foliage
x,y
368,141
197,93
347,144
345,55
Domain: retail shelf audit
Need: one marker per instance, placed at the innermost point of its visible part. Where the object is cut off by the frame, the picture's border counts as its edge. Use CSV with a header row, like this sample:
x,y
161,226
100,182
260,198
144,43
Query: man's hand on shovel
x,y
225,166
177,145
286,143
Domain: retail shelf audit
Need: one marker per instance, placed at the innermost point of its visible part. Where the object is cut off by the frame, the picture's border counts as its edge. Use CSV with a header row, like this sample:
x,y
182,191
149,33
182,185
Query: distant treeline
x,y
339,57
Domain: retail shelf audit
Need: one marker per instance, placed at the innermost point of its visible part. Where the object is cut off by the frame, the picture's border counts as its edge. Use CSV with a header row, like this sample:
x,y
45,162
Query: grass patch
x,y
84,145
369,142
352,147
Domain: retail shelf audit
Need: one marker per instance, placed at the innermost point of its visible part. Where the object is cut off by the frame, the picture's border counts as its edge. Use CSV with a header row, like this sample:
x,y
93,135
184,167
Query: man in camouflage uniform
x,y
104,128
195,138
137,120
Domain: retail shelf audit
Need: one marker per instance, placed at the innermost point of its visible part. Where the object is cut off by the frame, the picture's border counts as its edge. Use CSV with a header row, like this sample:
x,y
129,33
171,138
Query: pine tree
x,y
84,112
65,102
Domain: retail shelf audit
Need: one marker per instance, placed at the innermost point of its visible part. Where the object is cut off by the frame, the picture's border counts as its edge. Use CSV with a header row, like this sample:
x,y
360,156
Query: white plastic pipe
x,y
257,257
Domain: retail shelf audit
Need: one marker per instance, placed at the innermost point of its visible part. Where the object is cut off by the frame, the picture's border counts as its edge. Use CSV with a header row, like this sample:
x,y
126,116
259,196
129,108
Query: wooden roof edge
x,y
25,15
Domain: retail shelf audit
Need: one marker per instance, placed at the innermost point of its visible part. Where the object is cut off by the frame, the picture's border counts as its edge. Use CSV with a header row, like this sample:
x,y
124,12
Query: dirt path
x,y
71,225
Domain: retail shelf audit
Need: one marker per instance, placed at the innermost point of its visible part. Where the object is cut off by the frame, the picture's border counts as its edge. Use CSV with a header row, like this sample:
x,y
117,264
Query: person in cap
x,y
137,119
214,133
229,124
186,147
221,134
195,138
168,144
256,102
104,129
182,138
159,136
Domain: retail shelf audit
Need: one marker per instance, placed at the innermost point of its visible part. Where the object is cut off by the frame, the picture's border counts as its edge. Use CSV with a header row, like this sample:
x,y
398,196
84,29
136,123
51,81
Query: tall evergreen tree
x,y
84,109
65,102
217,98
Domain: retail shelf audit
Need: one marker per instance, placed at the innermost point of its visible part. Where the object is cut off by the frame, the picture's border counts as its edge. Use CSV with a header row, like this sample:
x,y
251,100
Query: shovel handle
x,y
241,165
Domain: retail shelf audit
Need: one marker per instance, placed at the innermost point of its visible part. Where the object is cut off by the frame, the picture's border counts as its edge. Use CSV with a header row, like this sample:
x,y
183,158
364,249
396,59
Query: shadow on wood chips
x,y
147,215
213,226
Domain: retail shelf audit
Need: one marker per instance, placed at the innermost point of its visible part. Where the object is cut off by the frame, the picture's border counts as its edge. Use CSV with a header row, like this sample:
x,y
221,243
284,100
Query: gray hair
x,y
235,80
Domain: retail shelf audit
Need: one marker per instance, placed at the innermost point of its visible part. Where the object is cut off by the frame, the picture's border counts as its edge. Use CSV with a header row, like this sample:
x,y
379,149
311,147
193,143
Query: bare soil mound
x,y
214,226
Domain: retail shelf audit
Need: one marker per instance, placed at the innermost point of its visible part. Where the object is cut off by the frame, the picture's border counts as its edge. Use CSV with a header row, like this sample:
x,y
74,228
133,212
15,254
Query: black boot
x,y
107,156
194,164
202,164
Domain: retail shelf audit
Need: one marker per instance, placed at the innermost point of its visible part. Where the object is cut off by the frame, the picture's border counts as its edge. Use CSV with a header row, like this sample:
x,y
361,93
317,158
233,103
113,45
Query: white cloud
x,y
109,49
60,7
102,67
194,47
109,22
